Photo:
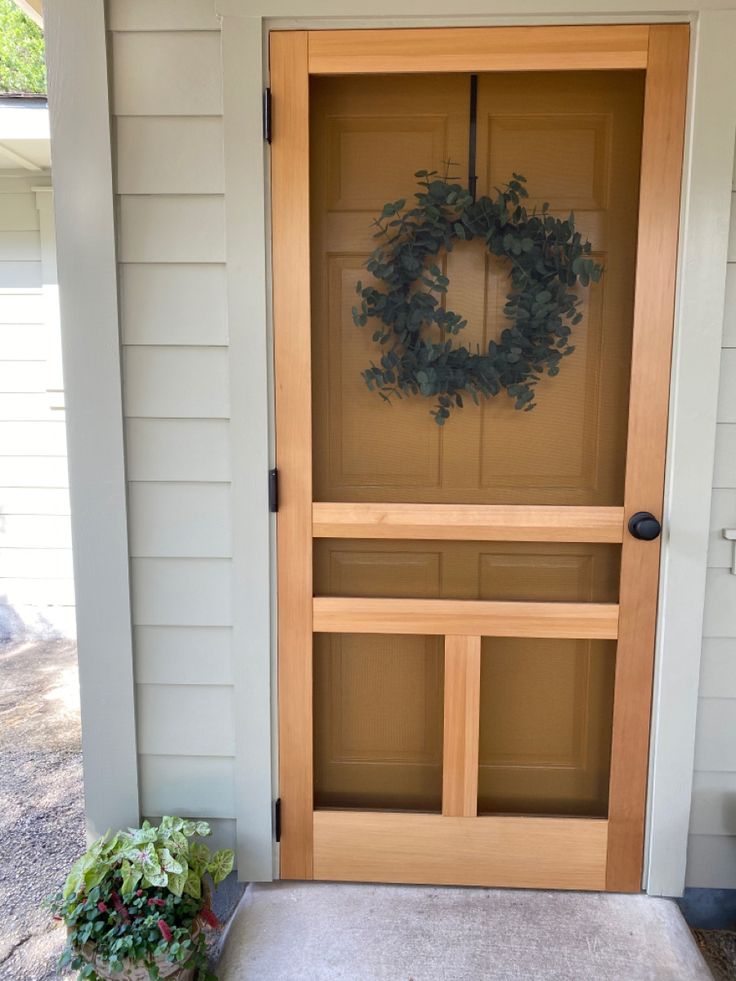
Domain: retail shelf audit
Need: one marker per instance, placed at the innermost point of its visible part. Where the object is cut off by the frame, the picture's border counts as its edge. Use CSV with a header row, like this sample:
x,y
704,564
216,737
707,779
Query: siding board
x,y
33,471
179,228
18,211
171,382
37,438
187,785
23,376
20,274
163,15
36,563
727,389
21,306
34,500
724,474
178,449
185,720
729,320
711,862
23,342
20,245
722,515
179,520
173,304
169,155
37,593
714,804
166,74
34,531
181,592
715,743
720,604
29,407
183,655
718,670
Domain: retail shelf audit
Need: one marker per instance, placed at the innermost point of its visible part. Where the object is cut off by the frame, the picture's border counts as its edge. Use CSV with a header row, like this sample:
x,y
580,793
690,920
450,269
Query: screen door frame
x,y
506,851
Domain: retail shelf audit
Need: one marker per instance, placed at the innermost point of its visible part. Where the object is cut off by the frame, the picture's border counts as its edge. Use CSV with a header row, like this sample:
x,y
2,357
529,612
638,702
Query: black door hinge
x,y
273,491
267,116
277,819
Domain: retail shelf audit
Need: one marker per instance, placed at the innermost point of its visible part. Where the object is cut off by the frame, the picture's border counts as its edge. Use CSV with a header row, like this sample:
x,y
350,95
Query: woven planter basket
x,y
135,971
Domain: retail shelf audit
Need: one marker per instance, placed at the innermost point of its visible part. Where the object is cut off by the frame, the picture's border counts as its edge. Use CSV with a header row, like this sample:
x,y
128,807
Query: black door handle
x,y
645,526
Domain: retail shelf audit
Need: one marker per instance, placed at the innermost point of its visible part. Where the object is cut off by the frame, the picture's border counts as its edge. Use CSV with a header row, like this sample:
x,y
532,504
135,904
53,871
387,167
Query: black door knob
x,y
645,526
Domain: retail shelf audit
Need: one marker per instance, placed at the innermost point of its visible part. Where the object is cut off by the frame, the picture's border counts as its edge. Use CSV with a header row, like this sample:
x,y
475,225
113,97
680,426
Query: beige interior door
x,y
464,643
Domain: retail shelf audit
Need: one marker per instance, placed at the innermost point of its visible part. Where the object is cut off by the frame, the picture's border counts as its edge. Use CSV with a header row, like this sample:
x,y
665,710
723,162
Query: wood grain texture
x,y
461,726
659,212
488,618
468,522
292,356
539,853
478,49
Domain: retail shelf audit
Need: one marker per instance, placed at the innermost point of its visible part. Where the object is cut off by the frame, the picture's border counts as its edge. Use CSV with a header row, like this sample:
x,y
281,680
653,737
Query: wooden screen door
x,y
466,624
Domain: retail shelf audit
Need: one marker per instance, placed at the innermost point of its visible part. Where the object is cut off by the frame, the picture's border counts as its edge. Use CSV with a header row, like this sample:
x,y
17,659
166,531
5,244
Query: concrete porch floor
x,y
337,932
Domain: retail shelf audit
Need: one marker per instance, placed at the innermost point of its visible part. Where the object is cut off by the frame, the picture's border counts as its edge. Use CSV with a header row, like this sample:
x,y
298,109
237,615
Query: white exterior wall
x,y
712,842
169,182
36,578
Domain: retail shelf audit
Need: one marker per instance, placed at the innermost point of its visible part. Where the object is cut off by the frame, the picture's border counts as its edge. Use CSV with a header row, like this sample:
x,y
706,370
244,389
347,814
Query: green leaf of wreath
x,y
547,258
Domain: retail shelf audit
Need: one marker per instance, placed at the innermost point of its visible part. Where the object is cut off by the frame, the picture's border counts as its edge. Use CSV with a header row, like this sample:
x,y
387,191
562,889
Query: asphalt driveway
x,y
41,817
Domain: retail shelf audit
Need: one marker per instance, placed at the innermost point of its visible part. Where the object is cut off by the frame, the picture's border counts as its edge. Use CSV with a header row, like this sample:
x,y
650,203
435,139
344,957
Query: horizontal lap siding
x,y
166,96
35,534
712,844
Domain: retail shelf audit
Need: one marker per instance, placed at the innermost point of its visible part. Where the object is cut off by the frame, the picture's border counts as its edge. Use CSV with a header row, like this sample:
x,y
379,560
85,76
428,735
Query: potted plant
x,y
136,904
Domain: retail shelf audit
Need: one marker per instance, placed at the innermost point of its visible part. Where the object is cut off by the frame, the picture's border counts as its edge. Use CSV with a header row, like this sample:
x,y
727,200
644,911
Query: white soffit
x,y
24,135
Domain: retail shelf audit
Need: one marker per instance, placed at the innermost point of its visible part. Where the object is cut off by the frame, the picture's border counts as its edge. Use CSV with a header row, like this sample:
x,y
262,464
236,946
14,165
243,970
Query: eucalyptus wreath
x,y
547,258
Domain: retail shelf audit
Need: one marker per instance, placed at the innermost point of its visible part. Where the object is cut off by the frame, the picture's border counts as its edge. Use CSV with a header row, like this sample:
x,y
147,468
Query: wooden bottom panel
x,y
535,853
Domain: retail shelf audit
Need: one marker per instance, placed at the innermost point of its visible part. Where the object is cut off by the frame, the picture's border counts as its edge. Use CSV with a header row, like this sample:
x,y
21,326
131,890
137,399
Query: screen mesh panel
x,y
576,138
545,726
378,721
533,571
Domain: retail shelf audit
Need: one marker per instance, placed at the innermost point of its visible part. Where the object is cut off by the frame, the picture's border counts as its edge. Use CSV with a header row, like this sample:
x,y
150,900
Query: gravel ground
x,y
41,818
718,947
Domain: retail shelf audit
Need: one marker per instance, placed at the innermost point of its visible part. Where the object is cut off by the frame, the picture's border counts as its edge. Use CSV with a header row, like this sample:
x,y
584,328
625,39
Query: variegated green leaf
x,y
154,875
193,885
177,880
168,862
131,876
171,823
199,856
74,878
141,854
221,865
